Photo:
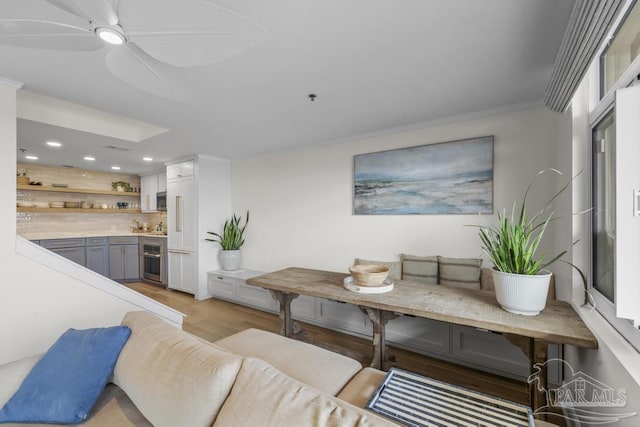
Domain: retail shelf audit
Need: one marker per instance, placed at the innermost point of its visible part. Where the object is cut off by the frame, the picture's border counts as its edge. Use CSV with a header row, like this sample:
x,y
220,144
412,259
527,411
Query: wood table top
x,y
558,323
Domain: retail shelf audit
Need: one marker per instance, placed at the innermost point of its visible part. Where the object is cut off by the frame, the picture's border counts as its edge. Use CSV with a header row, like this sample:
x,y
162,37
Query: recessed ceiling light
x,y
115,168
147,159
110,35
31,157
53,144
89,158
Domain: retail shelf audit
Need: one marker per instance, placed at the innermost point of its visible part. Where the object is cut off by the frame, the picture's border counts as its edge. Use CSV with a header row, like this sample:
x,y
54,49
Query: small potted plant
x,y
520,279
231,240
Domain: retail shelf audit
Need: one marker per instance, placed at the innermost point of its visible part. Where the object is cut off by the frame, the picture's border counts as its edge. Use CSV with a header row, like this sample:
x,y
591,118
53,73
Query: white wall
x,y
37,304
301,201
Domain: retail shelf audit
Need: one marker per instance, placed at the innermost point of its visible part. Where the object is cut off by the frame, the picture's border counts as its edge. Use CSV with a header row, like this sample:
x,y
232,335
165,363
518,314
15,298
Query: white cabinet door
x,y
419,334
256,297
488,349
303,308
181,218
343,316
182,272
221,287
148,190
162,181
179,170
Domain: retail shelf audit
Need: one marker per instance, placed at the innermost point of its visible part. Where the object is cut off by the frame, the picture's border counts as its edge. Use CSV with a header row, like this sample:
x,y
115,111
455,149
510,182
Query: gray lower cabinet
x,y
97,254
231,286
72,249
416,333
124,258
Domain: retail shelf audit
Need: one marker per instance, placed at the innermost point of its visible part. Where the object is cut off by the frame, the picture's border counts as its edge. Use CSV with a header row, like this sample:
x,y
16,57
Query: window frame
x,y
604,103
603,51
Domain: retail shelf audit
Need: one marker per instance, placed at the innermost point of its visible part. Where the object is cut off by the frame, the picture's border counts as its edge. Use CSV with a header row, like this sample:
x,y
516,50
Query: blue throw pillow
x,y
65,384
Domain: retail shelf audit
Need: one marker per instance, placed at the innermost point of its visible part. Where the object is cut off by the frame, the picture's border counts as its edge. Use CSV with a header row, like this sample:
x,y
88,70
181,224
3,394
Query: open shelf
x,y
76,190
78,210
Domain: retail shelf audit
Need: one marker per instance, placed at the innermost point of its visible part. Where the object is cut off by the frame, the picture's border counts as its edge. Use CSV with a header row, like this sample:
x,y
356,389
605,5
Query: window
x,y
623,48
603,213
615,179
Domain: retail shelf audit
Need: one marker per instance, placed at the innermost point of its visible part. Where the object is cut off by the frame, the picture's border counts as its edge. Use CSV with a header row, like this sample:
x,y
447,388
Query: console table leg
x,y
379,318
287,326
538,387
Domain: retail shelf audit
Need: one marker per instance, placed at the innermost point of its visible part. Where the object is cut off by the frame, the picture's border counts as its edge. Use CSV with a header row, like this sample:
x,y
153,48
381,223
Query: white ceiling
x,y
374,65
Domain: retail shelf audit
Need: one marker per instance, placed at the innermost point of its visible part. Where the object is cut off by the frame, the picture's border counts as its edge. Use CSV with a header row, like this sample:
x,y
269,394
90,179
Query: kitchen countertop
x,y
69,235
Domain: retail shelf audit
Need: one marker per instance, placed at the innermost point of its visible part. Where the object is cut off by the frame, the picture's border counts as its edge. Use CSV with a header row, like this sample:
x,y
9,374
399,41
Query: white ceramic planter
x,y
521,293
230,260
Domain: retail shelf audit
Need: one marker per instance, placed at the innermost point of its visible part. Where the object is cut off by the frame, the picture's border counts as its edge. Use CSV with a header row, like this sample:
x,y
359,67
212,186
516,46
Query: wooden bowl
x,y
369,274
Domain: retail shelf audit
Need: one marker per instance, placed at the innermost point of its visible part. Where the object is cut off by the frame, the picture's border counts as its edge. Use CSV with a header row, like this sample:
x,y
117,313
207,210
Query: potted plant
x,y
231,240
520,279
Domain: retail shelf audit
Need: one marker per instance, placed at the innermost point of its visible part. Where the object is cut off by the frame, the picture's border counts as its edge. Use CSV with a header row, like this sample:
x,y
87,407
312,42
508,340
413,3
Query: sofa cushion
x,y
420,268
460,272
395,267
362,386
12,375
264,396
173,378
114,408
312,365
67,381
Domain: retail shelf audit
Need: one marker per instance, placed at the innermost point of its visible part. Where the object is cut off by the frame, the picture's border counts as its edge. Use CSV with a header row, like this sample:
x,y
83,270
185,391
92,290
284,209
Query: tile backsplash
x,y
30,224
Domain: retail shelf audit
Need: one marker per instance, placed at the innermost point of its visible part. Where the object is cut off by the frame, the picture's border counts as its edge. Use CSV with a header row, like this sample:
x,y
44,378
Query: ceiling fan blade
x,y
98,12
133,66
188,32
47,35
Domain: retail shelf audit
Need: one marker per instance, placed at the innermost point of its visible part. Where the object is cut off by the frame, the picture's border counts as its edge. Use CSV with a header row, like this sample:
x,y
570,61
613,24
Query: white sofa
x,y
167,377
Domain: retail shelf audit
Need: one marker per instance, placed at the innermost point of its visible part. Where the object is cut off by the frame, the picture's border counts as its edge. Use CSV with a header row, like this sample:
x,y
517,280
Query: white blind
x,y
588,25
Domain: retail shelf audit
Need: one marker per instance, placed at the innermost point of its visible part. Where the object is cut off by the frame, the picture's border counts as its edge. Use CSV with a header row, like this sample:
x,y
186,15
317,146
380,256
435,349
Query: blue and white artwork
x,y
446,178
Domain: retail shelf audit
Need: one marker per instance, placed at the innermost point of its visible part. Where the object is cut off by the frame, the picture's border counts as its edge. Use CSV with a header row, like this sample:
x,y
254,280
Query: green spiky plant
x,y
512,244
232,237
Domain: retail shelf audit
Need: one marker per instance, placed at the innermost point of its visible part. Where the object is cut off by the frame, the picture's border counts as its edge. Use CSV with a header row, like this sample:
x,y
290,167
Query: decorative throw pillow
x,y
65,384
460,272
395,267
420,268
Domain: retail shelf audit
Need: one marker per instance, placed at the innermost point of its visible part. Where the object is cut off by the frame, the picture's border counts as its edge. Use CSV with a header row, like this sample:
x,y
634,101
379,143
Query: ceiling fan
x,y
151,42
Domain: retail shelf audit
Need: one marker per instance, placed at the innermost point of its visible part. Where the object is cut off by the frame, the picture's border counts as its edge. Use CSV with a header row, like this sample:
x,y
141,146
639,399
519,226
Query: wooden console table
x,y
557,324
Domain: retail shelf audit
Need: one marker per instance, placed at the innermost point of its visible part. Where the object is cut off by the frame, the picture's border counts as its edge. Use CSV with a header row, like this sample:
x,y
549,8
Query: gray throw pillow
x,y
420,268
460,272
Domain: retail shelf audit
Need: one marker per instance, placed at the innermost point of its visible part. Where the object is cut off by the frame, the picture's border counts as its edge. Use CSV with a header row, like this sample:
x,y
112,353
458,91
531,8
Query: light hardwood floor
x,y
213,319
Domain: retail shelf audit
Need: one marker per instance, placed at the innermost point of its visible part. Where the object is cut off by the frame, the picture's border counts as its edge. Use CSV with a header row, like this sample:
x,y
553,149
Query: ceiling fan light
x,y
110,35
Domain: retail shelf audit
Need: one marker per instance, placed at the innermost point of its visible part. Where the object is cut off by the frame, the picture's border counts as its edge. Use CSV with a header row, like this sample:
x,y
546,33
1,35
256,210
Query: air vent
x,y
116,148
69,166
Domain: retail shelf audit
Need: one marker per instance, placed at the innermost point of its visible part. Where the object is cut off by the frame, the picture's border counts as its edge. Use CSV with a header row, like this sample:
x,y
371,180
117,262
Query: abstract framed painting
x,y
453,177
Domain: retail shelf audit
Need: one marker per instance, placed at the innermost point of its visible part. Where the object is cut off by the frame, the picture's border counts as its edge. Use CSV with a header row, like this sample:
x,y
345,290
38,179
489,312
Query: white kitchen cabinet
x,y
181,219
148,190
182,271
162,181
198,200
181,169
